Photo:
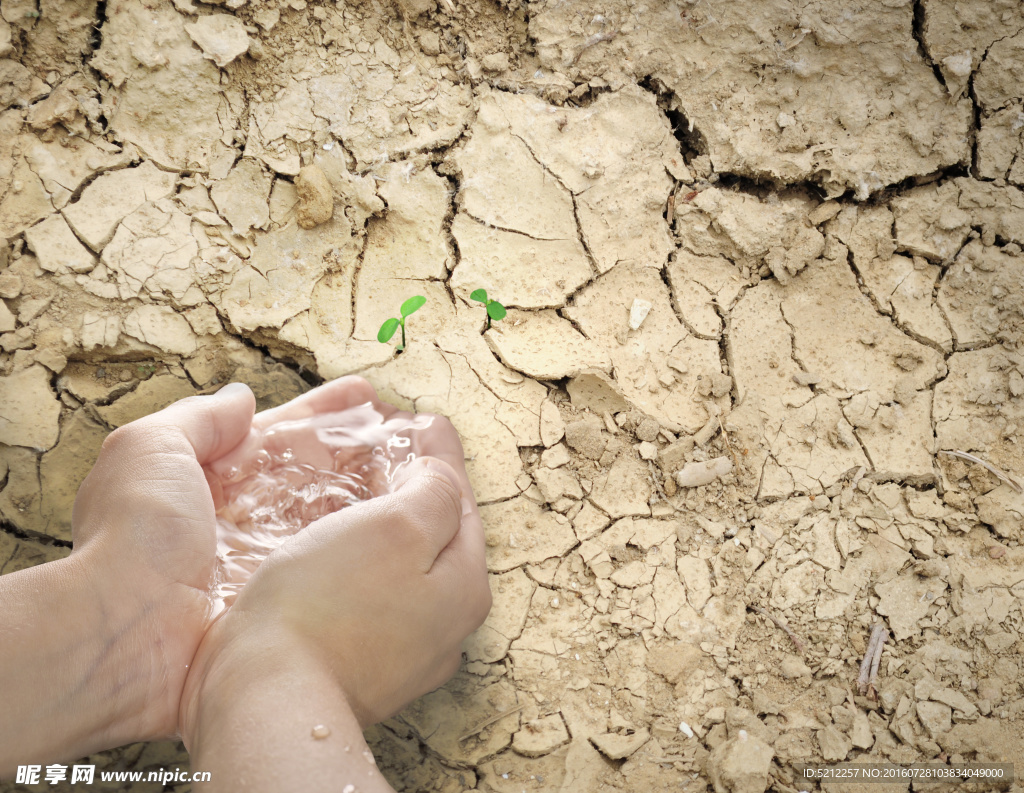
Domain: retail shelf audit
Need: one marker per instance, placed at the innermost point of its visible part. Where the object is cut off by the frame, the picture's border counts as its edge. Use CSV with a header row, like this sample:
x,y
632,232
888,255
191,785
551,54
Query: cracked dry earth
x,y
763,267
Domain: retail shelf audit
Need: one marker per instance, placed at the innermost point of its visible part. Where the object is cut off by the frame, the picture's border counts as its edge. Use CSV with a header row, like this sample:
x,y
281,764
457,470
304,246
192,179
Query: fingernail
x,y
233,389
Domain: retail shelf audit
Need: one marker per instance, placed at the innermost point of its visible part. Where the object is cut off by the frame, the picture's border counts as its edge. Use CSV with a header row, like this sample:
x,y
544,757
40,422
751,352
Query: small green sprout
x,y
387,330
495,310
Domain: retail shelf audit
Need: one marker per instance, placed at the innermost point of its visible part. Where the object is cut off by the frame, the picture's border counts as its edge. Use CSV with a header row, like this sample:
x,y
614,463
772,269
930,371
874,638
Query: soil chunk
x,y
316,200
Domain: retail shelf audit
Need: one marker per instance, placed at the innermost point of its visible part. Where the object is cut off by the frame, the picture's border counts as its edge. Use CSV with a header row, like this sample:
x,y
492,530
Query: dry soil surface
x,y
763,267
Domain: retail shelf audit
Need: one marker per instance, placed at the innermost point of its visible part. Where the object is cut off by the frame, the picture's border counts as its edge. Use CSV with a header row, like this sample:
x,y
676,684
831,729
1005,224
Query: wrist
x,y
239,659
261,710
66,645
145,635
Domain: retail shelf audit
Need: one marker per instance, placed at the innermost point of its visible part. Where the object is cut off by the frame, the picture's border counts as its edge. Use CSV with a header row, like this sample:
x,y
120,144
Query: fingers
x,y
337,395
429,505
208,426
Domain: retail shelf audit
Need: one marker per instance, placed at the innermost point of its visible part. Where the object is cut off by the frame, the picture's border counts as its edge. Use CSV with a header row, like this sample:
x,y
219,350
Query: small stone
x,y
316,199
267,18
638,313
703,473
414,8
647,429
647,451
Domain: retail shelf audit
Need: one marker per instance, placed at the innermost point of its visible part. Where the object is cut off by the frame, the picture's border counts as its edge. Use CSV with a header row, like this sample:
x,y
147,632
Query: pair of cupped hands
x,y
380,594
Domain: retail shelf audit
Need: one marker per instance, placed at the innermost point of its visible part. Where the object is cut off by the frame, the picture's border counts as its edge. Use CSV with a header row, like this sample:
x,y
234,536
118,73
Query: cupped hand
x,y
381,593
144,530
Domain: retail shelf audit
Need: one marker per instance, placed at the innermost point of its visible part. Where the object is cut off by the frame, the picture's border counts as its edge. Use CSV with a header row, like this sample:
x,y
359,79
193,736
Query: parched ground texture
x,y
775,244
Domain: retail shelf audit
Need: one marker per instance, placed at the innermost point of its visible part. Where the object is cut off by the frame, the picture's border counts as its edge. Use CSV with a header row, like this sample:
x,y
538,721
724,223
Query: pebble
x,y
647,450
638,313
703,473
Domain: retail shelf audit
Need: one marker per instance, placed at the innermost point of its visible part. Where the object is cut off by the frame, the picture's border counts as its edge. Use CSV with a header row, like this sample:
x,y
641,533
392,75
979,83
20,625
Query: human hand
x,y
143,531
381,593
316,455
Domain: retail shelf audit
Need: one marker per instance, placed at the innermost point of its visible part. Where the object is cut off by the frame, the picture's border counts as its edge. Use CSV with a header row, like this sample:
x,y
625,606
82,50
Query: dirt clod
x,y
316,199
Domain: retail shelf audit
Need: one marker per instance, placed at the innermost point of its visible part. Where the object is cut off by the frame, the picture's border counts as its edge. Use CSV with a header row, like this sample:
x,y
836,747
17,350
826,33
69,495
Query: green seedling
x,y
387,330
495,310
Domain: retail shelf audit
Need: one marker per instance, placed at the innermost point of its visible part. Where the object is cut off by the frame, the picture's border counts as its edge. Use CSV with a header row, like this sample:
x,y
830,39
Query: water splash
x,y
292,473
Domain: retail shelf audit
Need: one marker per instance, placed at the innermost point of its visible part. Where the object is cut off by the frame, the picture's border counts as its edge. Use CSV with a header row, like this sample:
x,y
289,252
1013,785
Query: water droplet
x,y
321,731
287,455
368,757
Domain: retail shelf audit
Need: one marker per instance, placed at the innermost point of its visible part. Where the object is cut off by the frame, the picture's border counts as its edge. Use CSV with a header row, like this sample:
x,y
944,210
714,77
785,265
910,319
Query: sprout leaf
x,y
412,304
387,330
496,310
479,295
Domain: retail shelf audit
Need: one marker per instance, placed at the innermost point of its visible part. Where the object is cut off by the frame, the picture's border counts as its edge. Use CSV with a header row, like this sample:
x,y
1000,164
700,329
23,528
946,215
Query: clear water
x,y
288,475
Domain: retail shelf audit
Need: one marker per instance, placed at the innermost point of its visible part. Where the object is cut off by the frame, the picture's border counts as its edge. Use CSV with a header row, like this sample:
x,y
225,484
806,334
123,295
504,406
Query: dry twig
x,y
488,722
1001,475
782,626
732,451
872,657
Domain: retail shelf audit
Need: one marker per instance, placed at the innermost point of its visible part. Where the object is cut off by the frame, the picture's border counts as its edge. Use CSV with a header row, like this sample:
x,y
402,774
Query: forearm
x,y
272,721
64,663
